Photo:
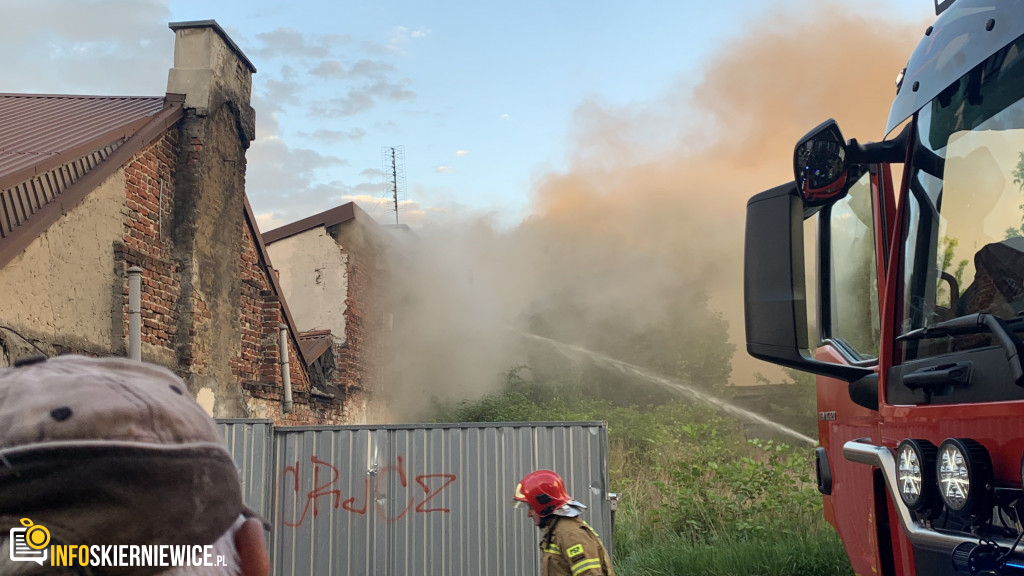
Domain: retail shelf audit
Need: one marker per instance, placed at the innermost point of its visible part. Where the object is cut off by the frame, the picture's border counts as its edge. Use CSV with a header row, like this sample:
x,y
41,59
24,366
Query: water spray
x,y
674,386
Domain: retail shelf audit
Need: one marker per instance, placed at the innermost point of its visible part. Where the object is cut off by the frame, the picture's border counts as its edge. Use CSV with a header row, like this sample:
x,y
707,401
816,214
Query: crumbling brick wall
x,y
359,357
146,243
258,367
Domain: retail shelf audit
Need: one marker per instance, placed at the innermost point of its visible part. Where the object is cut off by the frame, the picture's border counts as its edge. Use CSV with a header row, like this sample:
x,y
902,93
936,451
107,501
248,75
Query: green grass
x,y
697,497
818,553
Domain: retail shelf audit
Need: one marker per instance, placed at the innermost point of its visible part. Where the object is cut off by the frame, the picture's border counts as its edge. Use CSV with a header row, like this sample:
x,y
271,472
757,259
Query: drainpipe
x,y
286,376
135,313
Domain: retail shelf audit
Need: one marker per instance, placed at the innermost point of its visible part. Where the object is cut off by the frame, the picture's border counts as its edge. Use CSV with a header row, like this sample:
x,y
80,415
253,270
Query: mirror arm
x,y
890,151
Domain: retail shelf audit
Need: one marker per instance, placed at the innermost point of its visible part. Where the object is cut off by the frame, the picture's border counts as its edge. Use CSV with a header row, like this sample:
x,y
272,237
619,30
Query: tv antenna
x,y
393,173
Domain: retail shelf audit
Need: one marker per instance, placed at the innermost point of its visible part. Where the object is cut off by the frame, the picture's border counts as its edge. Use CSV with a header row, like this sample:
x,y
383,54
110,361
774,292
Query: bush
x,y
720,491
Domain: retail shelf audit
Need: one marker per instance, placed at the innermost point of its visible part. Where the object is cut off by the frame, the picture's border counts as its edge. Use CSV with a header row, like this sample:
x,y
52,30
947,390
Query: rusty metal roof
x,y
37,131
55,149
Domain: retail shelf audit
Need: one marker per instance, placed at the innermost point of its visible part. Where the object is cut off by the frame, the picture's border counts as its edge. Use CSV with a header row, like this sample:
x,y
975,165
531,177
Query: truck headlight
x,y
964,471
915,471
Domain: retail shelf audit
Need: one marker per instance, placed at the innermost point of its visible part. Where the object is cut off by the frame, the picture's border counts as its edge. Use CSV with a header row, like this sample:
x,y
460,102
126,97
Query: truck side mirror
x,y
774,291
820,165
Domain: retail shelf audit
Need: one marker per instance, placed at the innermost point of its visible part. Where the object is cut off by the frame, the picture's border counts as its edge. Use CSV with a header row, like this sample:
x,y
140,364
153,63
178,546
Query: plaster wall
x,y
314,277
61,287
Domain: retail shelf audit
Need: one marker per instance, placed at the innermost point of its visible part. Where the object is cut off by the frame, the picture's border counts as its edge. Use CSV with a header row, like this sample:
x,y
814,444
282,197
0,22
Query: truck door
x,y
850,247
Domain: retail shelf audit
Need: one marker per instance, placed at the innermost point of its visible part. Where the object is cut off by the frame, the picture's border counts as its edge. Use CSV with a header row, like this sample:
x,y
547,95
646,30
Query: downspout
x,y
135,313
286,376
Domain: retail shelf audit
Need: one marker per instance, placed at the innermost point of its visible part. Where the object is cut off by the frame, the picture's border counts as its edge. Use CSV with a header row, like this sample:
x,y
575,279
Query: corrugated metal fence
x,y
412,500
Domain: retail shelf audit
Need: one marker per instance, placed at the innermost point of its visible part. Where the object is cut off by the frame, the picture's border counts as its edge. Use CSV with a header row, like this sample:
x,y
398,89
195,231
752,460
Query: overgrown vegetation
x,y
697,497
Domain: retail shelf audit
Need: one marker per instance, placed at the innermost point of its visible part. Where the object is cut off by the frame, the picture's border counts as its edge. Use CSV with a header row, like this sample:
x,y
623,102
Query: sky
x,y
592,151
483,97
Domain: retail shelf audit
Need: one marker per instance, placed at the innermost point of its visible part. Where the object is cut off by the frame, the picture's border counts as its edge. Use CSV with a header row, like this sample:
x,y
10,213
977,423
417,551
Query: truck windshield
x,y
963,245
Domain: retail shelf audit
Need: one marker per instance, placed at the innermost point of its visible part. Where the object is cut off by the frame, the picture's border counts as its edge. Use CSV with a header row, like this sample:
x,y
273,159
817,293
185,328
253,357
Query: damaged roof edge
x,y
314,346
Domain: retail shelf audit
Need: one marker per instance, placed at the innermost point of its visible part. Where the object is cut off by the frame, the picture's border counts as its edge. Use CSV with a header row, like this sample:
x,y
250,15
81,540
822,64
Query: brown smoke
x,y
650,215
759,95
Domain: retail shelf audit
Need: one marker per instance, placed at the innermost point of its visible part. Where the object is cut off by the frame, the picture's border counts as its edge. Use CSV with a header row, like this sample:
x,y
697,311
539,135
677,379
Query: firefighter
x,y
569,546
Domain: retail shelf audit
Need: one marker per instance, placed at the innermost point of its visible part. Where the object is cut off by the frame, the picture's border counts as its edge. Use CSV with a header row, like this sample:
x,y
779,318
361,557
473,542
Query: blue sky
x,y
482,96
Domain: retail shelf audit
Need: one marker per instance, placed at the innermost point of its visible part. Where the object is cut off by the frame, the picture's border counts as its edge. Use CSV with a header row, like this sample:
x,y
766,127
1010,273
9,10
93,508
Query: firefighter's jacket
x,y
570,547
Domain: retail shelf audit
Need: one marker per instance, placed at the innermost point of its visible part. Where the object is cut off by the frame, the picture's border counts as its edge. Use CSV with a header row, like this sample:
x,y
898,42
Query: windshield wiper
x,y
1001,330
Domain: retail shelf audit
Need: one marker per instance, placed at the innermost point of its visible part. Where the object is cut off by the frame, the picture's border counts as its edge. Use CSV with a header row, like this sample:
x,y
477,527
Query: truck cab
x,y
894,270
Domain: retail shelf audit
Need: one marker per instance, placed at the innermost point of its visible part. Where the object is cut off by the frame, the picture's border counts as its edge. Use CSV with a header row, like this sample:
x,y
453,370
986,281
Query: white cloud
x,y
335,136
462,153
268,221
363,98
504,117
329,69
401,34
288,42
363,68
442,169
100,47
279,175
282,90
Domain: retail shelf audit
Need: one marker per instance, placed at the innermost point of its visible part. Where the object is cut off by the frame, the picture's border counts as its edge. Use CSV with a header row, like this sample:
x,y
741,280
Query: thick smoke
x,y
647,223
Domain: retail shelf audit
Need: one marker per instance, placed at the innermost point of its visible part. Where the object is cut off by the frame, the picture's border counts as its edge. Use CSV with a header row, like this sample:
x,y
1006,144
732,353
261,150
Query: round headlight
x,y
915,472
964,472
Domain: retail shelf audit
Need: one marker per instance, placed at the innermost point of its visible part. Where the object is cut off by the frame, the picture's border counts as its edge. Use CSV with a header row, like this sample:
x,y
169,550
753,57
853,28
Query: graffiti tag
x,y
324,485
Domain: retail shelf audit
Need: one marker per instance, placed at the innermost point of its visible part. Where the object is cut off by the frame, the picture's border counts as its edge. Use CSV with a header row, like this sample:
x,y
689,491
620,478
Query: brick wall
x,y
149,242
259,366
146,243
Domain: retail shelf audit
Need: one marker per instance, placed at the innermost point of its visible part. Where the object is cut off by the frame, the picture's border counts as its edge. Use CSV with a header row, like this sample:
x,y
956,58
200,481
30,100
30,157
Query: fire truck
x,y
894,271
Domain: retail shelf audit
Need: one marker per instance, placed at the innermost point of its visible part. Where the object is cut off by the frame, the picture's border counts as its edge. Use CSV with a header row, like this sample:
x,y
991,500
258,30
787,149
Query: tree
x,y
1018,179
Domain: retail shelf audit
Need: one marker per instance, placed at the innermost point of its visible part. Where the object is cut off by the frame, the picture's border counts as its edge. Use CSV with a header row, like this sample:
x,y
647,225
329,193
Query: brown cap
x,y
110,451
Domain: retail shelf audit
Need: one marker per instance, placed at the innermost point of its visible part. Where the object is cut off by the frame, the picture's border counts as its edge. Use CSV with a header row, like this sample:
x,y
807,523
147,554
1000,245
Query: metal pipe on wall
x,y
135,313
286,376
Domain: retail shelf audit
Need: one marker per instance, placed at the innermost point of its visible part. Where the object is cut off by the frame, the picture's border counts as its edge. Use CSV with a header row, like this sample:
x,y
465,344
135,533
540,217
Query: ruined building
x,y
93,186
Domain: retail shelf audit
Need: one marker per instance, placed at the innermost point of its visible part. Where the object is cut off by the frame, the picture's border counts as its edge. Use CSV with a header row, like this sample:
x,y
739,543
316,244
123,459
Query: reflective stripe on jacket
x,y
570,547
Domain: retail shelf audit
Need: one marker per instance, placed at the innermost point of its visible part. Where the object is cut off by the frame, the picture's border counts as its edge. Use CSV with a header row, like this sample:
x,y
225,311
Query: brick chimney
x,y
209,225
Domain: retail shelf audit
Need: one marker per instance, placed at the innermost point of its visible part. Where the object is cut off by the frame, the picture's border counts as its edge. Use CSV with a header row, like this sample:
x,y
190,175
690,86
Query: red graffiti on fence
x,y
370,485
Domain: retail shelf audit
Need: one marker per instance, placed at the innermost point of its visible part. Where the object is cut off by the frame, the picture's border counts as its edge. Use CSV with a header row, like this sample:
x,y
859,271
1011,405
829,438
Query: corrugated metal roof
x,y
55,149
36,128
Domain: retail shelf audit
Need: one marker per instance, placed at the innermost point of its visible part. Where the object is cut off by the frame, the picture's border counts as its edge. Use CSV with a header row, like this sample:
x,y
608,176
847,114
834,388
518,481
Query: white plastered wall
x,y
314,278
62,283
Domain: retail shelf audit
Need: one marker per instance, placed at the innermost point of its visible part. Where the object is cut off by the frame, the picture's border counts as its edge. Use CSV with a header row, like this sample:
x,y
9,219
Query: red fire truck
x,y
895,272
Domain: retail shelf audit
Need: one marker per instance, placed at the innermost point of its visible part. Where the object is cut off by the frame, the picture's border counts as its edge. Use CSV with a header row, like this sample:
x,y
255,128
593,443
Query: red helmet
x,y
543,491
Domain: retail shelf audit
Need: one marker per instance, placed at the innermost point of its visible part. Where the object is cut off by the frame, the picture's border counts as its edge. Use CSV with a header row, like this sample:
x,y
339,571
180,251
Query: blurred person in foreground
x,y
569,546
112,452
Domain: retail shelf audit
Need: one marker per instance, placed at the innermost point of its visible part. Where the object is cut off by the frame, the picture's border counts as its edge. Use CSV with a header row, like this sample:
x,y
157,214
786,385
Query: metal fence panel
x,y
423,499
250,442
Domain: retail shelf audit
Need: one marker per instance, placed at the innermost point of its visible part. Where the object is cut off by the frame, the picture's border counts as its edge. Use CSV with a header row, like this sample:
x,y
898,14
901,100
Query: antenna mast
x,y
393,172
